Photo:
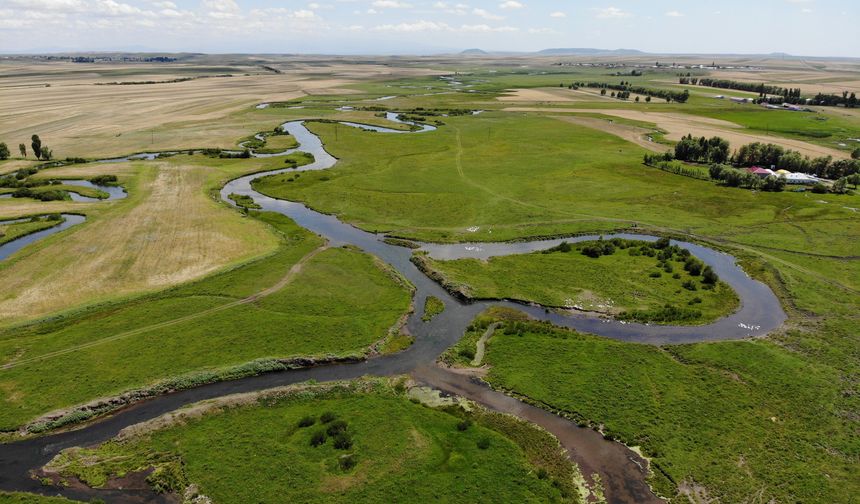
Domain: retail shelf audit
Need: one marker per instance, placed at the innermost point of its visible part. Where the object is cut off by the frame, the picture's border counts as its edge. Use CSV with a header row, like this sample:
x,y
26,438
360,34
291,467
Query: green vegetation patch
x,y
28,498
432,306
244,201
9,232
325,444
723,416
636,280
337,304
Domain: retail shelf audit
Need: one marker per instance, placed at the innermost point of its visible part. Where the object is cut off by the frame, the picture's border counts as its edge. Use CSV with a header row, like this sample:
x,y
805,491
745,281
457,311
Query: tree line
x,y
715,151
774,94
626,88
39,150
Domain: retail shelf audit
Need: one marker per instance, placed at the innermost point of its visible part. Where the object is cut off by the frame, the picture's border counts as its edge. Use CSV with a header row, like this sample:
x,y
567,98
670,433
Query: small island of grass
x,y
627,279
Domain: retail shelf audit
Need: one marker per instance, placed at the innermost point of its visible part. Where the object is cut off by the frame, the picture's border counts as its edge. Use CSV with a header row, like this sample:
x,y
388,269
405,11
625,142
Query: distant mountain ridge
x,y
558,51
588,51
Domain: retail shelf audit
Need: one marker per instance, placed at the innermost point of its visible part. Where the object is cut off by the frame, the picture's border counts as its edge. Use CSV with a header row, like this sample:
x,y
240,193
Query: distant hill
x,y
474,52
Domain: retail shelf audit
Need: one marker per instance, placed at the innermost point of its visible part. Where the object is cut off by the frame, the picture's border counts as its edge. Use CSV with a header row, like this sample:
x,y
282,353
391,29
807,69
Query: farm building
x,y
760,172
799,178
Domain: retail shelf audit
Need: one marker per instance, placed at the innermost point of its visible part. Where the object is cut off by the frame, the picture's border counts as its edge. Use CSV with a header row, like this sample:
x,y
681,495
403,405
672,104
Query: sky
x,y
800,27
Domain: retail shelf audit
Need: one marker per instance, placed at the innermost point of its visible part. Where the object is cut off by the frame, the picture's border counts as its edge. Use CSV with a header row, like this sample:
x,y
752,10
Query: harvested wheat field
x,y
76,116
538,95
172,233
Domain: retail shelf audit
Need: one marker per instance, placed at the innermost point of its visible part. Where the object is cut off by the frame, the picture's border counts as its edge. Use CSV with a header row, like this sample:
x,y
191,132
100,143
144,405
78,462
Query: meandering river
x,y
621,470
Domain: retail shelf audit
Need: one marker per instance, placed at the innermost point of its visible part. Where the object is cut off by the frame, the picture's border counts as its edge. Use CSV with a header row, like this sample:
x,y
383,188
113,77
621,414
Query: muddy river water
x,y
622,472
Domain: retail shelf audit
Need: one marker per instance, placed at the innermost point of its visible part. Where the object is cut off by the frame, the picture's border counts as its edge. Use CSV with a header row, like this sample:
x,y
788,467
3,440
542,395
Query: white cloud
x,y
611,13
417,26
391,4
487,15
511,5
674,13
558,14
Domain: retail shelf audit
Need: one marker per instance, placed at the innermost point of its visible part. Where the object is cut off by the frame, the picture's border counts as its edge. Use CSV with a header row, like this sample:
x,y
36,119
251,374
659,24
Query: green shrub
x,y
167,478
484,443
336,427
347,462
343,441
467,353
318,438
464,425
307,421
327,417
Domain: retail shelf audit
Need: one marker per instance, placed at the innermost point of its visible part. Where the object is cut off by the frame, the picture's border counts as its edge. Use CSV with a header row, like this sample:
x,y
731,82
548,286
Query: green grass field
x,y
338,303
420,456
741,419
560,179
610,284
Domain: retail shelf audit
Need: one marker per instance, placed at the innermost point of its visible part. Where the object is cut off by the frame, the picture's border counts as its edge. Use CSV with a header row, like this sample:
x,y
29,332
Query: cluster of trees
x,y
39,150
49,195
626,88
774,94
716,150
734,177
702,150
768,155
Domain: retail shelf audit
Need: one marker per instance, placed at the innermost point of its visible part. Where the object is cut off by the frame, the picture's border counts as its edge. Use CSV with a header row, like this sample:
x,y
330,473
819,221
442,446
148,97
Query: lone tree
x,y
22,149
36,144
4,151
856,153
46,153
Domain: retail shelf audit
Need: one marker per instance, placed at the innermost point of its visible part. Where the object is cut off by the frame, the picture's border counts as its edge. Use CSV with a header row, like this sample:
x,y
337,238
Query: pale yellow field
x,y
678,125
75,117
539,95
167,232
810,81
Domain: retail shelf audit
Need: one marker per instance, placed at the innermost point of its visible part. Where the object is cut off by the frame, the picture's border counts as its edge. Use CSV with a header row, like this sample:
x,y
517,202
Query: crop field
x,y
167,231
66,107
421,454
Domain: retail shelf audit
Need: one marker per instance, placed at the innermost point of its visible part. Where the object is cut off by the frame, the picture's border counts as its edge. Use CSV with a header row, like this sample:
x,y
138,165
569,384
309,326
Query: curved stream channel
x,y
621,471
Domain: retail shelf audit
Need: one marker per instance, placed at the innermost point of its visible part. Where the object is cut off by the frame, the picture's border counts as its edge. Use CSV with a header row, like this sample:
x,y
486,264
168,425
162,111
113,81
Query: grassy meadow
x,y
327,302
743,420
615,284
330,449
